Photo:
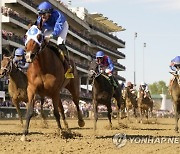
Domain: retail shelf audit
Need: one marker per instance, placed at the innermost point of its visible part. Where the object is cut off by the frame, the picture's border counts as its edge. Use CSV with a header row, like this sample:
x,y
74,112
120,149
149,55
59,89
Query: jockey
x,y
131,87
106,66
19,60
175,64
144,87
54,25
175,67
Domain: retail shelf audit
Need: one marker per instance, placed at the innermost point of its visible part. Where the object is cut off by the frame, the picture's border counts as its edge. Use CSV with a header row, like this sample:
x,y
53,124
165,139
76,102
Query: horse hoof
x,y
81,123
176,130
23,138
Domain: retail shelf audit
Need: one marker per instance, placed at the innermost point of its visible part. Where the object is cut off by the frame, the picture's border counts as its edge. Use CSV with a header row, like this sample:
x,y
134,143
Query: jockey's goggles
x,y
42,12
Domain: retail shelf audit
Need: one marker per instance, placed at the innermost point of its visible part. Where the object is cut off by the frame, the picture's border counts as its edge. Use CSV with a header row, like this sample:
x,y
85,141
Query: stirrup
x,y
68,74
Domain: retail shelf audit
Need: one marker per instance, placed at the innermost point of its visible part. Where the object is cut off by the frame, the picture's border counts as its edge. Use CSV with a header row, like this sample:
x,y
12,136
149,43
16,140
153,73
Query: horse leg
x,y
81,122
61,109
147,114
176,117
134,108
29,112
74,90
56,100
109,115
95,114
43,114
127,111
16,104
141,114
118,106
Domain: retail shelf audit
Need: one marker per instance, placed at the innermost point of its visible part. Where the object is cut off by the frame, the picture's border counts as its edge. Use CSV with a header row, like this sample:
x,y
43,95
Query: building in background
x,y
87,34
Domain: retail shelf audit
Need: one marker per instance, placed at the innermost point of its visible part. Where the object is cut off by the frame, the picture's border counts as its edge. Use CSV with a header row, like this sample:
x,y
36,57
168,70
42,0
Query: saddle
x,y
64,59
111,81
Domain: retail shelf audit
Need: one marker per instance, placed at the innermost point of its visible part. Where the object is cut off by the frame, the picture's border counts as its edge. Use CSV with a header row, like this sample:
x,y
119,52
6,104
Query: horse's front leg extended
x,y
29,113
95,114
176,117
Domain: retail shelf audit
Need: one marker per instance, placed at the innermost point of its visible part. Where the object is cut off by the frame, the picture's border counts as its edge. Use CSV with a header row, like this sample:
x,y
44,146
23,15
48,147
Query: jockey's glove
x,y
47,38
108,71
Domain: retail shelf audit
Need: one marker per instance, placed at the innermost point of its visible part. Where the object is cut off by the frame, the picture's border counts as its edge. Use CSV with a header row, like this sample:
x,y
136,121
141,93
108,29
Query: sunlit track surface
x,y
82,140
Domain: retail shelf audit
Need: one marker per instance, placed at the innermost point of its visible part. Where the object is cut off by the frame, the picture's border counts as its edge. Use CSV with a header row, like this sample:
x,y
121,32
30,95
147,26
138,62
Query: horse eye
x,y
40,38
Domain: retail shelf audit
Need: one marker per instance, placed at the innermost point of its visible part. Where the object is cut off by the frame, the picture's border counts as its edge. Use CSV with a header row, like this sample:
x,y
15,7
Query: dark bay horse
x,y
46,77
130,101
103,92
145,104
175,93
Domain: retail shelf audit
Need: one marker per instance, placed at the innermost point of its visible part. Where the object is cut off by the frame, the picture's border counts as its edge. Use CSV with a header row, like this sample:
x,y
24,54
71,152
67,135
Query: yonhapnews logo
x,y
121,139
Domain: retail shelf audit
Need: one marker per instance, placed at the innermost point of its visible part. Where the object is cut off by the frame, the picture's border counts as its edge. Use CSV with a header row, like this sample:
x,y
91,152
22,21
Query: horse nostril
x,y
32,56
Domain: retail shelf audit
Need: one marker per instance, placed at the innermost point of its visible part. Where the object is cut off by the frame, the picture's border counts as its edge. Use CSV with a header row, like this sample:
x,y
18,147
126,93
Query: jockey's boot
x,y
66,61
113,82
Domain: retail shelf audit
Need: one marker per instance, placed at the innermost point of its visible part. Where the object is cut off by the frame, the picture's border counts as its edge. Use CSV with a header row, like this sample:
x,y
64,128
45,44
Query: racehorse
x,y
145,104
46,77
17,83
102,92
17,87
130,101
175,93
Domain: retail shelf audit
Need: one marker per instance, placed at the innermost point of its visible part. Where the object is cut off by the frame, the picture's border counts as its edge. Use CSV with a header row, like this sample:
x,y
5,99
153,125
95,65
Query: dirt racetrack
x,y
45,140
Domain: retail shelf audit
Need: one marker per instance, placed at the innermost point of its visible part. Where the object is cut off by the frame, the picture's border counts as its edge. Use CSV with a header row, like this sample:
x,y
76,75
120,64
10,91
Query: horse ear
x,y
29,25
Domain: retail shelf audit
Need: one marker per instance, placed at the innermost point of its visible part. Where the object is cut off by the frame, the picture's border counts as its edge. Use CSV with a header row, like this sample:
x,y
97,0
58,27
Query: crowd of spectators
x,y
68,105
15,15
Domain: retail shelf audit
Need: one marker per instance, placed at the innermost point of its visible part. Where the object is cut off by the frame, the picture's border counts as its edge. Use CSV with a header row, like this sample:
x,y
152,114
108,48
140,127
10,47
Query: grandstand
x,y
88,33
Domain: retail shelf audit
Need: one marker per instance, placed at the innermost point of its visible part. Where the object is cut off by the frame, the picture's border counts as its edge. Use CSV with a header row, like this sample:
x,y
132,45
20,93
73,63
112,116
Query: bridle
x,y
176,76
32,34
6,70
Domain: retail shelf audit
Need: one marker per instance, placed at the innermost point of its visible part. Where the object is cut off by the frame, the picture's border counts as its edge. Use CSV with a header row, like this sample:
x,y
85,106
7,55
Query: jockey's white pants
x,y
62,37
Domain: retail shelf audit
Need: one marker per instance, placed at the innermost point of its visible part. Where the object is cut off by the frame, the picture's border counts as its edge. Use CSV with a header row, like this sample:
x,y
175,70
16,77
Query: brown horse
x,y
17,87
103,92
130,101
175,93
46,77
145,104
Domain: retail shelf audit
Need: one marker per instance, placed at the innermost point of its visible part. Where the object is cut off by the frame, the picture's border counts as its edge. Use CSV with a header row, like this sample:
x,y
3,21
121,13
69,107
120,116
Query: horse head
x,y
176,76
94,70
34,43
6,65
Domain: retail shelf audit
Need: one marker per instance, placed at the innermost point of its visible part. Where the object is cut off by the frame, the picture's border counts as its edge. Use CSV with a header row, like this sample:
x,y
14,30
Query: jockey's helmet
x,y
44,7
99,54
129,84
143,84
19,52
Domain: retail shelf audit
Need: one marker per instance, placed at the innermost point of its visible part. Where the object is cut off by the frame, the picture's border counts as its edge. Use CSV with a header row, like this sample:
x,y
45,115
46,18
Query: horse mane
x,y
18,76
54,48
